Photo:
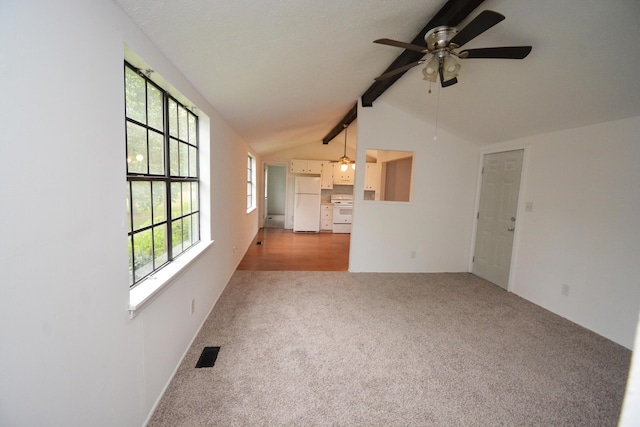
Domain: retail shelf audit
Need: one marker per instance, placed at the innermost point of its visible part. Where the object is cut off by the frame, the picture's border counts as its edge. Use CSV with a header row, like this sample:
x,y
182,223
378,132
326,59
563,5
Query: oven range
x,y
342,212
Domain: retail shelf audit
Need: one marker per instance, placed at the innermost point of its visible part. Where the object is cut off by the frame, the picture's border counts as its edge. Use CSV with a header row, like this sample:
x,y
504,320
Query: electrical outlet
x,y
565,290
528,207
193,306
413,254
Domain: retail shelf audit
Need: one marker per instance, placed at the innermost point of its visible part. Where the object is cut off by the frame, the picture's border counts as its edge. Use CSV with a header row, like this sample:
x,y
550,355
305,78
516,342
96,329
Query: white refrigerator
x,y
306,211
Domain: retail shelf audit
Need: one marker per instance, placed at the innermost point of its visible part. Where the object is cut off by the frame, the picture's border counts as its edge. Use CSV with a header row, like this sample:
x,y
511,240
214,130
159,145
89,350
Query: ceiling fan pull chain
x,y
435,131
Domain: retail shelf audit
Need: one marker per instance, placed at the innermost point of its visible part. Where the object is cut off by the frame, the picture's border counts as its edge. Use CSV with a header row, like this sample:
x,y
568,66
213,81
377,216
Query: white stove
x,y
342,212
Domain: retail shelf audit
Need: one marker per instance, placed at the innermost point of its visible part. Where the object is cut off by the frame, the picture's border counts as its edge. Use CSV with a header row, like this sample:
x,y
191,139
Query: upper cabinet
x,y
330,173
341,177
306,166
372,177
326,177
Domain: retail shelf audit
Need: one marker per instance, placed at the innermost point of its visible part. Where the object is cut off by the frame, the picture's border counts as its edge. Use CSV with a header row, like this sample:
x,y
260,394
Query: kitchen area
x,y
317,195
323,196
315,201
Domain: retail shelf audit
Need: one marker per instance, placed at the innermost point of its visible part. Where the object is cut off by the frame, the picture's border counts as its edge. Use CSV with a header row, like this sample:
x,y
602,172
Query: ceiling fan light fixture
x,y
344,160
450,65
450,68
430,71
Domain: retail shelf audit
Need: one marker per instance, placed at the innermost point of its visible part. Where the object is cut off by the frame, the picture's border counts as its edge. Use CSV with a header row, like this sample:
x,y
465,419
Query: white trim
x,y
152,285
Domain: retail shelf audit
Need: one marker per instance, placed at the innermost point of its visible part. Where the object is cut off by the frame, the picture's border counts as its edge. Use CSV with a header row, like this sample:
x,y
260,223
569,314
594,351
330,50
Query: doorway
x,y
275,178
501,174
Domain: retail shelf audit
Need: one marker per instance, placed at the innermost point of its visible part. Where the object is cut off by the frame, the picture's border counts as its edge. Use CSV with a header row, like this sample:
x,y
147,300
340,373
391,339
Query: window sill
x,y
251,209
147,290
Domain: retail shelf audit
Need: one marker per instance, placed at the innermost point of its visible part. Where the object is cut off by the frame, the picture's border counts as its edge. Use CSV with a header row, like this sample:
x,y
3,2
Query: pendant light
x,y
344,160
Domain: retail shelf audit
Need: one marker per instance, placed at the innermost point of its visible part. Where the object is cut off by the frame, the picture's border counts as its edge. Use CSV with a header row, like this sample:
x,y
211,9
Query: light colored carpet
x,y
367,349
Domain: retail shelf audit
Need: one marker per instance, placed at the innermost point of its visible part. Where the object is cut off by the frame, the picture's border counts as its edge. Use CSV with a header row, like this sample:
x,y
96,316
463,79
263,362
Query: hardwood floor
x,y
284,250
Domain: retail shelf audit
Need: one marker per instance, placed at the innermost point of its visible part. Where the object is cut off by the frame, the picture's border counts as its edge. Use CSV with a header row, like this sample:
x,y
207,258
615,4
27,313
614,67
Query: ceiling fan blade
x,y
446,83
408,46
398,70
449,82
507,52
477,26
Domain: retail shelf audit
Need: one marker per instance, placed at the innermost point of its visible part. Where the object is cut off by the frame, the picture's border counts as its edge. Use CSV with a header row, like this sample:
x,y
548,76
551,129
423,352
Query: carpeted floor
x,y
367,349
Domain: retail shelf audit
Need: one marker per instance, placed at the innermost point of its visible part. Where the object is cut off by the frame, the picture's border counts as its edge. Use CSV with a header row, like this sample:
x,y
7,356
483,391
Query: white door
x,y
497,216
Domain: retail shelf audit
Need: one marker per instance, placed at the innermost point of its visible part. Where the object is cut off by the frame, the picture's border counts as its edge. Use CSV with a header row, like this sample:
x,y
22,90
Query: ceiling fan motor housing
x,y
440,38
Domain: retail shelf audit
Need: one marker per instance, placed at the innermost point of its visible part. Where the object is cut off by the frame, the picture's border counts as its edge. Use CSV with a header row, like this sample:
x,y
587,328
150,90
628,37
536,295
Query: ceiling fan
x,y
345,161
442,44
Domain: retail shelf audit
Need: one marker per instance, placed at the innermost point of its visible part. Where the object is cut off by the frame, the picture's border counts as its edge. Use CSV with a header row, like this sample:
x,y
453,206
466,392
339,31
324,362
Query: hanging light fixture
x,y
430,71
450,68
444,64
344,160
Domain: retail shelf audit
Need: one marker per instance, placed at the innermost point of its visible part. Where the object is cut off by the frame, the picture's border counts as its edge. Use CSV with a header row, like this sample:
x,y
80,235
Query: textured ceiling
x,y
284,72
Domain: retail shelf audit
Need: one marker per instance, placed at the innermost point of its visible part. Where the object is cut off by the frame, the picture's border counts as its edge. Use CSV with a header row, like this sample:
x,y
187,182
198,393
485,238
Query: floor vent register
x,y
208,357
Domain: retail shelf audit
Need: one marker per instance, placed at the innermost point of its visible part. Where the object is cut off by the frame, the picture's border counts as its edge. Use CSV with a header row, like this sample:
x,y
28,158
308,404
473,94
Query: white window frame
x,y
176,173
251,183
145,291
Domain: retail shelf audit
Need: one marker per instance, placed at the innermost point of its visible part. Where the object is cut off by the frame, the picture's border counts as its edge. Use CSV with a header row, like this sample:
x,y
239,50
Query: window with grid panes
x,y
162,176
251,182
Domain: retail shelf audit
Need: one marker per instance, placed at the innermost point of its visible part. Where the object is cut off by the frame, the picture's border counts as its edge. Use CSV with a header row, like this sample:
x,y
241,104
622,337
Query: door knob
x,y
511,229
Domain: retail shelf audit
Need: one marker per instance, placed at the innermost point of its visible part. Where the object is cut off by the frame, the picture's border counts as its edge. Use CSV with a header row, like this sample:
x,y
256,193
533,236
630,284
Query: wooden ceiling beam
x,y
346,120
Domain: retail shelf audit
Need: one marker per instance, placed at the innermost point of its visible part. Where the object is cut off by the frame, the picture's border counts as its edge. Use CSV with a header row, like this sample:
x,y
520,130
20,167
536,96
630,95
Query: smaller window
x,y
251,183
389,176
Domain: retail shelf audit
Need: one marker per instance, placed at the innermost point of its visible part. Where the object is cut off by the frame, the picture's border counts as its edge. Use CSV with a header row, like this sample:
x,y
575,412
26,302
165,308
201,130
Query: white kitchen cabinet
x,y
341,177
306,166
372,177
326,217
326,177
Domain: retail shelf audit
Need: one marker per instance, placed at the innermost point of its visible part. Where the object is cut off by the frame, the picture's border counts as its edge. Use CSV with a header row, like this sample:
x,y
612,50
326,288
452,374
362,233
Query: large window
x,y
162,176
251,182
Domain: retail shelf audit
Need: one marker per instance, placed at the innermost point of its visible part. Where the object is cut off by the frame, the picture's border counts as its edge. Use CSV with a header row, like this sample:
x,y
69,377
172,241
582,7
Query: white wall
x,y
584,185
70,353
437,223
583,231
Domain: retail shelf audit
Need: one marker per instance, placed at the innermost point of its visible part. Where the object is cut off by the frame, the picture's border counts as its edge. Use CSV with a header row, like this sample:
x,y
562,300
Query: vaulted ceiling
x,y
283,73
